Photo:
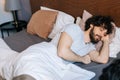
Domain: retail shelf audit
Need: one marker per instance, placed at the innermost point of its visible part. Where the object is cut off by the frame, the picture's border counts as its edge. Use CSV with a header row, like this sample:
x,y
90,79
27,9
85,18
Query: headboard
x,y
76,7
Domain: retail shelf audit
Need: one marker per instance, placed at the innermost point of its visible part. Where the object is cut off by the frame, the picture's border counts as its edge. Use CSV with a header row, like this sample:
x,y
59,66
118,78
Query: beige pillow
x,y
41,23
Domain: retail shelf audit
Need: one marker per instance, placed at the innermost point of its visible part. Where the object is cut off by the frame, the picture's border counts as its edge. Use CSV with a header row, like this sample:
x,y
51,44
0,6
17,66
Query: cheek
x,y
95,32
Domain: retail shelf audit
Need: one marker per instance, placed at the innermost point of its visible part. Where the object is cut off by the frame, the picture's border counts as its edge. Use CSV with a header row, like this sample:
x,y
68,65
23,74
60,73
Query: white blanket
x,y
41,62
7,56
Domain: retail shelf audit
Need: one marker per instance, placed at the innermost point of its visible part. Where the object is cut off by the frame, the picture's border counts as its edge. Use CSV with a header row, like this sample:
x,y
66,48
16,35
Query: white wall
x,y
4,16
23,14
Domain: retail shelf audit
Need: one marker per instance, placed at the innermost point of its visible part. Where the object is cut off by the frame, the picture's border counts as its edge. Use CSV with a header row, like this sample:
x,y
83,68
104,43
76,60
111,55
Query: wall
x,y
23,14
4,16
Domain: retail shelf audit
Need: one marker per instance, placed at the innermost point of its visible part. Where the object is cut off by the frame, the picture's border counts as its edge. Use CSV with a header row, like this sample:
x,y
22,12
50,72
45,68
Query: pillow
x,y
62,20
41,23
85,16
115,44
78,20
81,22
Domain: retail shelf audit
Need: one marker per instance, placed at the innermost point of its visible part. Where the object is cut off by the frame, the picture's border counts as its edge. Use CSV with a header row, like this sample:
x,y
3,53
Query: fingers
x,y
86,59
105,38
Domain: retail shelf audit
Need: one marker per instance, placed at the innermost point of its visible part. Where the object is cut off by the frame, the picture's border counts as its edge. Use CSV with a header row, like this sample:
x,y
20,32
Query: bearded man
x,y
79,46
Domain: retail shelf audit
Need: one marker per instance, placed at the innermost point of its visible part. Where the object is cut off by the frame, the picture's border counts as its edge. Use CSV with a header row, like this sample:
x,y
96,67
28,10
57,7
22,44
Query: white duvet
x,y
7,56
41,62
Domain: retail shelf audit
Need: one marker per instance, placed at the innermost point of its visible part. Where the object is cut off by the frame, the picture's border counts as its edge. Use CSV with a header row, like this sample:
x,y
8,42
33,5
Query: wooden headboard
x,y
76,7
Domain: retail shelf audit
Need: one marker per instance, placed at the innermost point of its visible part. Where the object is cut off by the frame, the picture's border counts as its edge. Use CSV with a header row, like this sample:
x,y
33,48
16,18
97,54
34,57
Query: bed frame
x,y
76,7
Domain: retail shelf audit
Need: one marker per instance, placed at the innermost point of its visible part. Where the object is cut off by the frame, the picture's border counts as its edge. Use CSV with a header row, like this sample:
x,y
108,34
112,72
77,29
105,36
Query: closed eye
x,y
101,29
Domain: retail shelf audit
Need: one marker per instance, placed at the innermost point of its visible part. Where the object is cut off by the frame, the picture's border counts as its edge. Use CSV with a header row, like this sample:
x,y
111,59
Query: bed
x,y
22,40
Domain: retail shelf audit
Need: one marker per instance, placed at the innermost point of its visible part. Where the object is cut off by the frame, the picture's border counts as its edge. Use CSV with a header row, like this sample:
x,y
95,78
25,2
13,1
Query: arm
x,y
103,55
65,52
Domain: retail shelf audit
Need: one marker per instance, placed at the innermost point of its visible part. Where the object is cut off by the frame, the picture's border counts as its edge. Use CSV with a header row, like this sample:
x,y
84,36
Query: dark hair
x,y
111,72
104,21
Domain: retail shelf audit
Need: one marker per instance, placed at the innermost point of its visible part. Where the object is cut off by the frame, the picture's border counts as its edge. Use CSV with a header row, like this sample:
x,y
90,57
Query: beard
x,y
92,37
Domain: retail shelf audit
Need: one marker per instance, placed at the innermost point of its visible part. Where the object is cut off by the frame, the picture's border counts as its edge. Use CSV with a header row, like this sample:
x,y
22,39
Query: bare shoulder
x,y
64,43
65,39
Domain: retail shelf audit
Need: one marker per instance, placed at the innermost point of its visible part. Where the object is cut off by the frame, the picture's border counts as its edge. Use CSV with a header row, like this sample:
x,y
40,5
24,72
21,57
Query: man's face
x,y
97,33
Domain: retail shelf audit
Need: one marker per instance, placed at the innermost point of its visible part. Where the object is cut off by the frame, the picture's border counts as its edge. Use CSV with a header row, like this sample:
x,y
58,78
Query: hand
x,y
105,38
86,59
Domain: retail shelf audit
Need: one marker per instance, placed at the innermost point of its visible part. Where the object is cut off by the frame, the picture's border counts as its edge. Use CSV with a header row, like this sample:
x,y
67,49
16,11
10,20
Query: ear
x,y
91,26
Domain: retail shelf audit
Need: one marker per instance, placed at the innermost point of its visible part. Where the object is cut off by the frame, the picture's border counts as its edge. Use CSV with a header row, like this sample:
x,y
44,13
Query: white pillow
x,y
115,44
56,39
78,20
62,20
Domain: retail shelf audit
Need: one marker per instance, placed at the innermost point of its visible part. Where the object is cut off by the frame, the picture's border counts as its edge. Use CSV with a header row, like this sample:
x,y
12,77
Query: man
x,y
77,45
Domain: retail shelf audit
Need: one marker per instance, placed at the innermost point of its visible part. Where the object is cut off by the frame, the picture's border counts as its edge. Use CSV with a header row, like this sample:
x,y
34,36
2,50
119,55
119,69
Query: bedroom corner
x,y
6,16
